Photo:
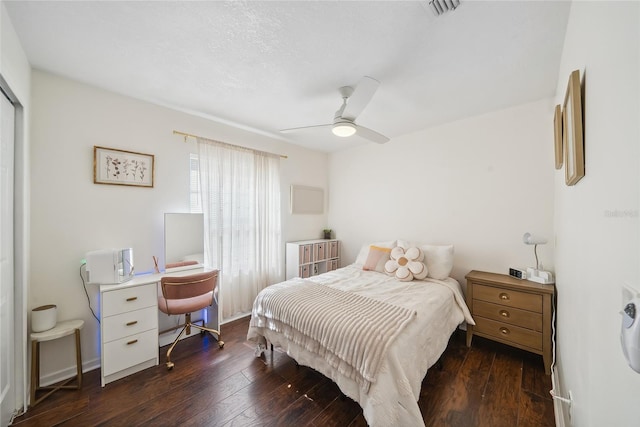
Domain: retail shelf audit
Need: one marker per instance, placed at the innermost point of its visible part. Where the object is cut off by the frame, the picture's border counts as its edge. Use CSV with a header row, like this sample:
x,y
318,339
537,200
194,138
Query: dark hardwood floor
x,y
486,385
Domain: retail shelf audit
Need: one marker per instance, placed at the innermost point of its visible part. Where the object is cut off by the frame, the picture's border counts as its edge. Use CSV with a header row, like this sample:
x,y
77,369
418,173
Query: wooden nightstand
x,y
511,311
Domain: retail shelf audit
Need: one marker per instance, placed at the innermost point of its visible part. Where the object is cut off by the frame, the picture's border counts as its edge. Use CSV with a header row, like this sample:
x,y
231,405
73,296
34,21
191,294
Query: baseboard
x,y
558,406
66,373
63,374
234,318
168,337
90,365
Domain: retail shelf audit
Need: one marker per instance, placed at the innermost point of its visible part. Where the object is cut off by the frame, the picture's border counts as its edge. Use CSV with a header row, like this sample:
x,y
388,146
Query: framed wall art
x,y
557,132
572,137
120,167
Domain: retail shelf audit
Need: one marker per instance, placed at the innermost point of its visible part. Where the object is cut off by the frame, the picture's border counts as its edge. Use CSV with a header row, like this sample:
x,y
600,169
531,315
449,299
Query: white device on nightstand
x,y
109,266
540,276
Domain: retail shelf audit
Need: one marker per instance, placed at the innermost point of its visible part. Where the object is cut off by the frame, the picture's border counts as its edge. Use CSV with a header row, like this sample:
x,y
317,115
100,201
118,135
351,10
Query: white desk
x,y
129,325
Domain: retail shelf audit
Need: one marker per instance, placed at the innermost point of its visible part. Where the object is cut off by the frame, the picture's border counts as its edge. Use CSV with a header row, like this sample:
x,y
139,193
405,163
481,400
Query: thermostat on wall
x,y
630,334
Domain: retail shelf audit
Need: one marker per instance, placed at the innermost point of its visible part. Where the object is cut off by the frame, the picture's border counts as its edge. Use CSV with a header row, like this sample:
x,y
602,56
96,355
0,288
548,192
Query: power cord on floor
x,y
84,285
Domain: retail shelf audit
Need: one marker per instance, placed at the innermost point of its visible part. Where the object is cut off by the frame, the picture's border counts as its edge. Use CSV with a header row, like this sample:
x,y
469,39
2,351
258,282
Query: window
x,y
238,192
195,201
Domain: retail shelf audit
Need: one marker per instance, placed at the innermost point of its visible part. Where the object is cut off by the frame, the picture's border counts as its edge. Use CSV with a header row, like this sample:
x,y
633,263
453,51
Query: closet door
x,y
7,343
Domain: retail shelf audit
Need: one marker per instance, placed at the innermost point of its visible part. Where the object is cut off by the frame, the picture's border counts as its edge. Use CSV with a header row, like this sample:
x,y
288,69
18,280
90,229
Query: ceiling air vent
x,y
438,7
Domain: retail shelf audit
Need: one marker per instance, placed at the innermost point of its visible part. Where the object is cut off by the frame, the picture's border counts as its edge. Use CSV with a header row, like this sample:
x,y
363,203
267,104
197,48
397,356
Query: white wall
x,y
596,220
16,72
478,183
71,215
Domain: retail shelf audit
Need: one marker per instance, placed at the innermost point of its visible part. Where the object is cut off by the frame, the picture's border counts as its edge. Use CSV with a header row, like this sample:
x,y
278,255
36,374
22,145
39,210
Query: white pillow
x,y
438,259
364,251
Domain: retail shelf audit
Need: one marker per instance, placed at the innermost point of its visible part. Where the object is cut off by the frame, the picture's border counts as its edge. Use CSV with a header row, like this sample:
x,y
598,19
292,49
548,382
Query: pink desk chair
x,y
183,295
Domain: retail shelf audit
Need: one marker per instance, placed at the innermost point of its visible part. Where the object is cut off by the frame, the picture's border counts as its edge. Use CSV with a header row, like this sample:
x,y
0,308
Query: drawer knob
x,y
504,296
504,331
504,313
132,342
132,299
132,323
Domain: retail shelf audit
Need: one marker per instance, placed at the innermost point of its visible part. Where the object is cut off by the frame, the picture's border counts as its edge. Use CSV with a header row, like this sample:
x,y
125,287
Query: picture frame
x,y
557,132
121,167
572,131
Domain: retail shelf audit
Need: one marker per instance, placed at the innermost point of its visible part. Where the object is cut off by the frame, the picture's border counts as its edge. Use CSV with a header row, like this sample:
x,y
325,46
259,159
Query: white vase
x,y
44,318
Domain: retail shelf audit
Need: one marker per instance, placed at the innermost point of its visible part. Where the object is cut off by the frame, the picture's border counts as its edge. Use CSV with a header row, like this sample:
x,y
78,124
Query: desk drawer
x,y
129,299
507,297
510,315
129,323
508,333
130,351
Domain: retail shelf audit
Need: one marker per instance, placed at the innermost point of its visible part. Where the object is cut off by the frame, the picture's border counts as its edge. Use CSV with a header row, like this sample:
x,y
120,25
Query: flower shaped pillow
x,y
406,264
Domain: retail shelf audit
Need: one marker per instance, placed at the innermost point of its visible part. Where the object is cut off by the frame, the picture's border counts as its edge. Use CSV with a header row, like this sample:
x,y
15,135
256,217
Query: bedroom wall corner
x,y
479,183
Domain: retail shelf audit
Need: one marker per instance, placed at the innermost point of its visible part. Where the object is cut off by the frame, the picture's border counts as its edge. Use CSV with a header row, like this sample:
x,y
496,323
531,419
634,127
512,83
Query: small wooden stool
x,y
62,329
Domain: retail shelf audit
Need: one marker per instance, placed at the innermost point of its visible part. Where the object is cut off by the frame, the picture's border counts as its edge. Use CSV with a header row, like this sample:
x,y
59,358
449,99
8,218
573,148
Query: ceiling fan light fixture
x,y
343,129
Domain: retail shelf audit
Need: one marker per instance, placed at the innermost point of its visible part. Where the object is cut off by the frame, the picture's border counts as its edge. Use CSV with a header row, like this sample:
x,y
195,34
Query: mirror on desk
x,y
183,241
184,250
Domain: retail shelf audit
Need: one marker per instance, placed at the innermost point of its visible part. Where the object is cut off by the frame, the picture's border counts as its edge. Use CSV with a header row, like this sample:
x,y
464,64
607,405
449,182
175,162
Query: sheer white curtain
x,y
240,190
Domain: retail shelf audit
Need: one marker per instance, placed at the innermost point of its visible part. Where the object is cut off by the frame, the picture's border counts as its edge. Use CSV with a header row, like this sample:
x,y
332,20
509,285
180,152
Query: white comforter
x,y
392,398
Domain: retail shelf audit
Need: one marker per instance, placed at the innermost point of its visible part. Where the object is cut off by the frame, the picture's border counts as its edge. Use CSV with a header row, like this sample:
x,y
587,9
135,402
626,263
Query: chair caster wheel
x,y
220,344
169,366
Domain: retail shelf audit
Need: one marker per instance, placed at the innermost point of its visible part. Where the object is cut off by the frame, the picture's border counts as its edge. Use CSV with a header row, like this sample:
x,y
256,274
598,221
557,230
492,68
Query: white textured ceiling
x,y
270,65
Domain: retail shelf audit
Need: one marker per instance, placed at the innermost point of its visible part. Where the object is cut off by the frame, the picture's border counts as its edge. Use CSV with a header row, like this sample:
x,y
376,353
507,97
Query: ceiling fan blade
x,y
361,96
371,135
305,127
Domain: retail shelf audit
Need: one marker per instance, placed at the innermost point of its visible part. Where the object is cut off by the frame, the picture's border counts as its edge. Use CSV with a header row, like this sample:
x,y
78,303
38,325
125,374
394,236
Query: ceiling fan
x,y
354,100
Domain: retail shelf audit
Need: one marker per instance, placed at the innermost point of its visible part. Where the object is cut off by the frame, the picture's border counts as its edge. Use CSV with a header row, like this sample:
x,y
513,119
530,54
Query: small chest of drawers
x,y
511,311
129,329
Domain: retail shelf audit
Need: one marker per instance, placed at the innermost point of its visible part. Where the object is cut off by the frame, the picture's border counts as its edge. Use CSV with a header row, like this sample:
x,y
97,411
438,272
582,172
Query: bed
x,y
392,332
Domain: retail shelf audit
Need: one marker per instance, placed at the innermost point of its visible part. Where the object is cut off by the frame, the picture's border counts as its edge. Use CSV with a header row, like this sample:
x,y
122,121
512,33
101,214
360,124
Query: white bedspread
x,y
350,332
392,399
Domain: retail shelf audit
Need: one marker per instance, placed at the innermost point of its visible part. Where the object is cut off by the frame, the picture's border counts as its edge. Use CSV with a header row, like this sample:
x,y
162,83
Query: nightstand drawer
x,y
513,316
130,323
120,300
508,297
508,333
130,351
